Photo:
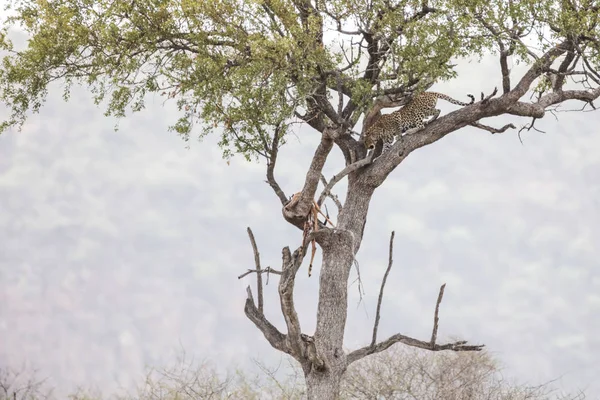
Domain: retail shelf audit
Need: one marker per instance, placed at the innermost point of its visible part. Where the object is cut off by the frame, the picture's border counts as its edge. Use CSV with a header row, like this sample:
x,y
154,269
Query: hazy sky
x,y
118,248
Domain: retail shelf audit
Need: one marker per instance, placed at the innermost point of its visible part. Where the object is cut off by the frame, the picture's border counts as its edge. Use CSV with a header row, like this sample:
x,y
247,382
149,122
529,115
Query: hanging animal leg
x,y
314,216
312,257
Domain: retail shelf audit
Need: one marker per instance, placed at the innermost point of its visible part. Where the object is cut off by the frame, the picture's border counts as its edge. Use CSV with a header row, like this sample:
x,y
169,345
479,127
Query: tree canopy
x,y
252,67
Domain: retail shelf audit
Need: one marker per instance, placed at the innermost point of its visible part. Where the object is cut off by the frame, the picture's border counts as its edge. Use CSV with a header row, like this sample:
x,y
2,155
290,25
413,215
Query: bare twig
x,y
531,126
436,318
267,270
259,285
491,129
361,289
336,178
387,272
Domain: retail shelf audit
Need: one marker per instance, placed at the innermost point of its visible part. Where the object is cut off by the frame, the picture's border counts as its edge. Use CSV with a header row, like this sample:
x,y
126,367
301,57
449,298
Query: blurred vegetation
x,y
398,374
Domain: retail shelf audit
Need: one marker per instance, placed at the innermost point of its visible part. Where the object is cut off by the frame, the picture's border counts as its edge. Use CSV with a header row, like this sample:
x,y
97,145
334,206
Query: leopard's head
x,y
370,140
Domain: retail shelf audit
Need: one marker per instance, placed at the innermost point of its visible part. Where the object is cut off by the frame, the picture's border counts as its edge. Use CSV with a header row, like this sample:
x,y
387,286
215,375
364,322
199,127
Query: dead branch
x,y
289,343
291,264
399,338
361,290
486,99
387,272
277,339
491,129
267,271
436,318
336,178
259,285
530,126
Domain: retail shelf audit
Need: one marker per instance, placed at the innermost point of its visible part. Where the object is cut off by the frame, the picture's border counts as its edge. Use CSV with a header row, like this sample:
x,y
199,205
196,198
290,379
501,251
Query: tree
x,y
251,69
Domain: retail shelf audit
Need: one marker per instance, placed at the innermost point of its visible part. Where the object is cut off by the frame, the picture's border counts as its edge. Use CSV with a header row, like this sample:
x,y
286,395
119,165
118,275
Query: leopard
x,y
412,115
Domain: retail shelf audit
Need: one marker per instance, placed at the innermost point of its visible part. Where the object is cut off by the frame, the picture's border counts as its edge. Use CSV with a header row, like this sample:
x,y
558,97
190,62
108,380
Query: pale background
x,y
117,249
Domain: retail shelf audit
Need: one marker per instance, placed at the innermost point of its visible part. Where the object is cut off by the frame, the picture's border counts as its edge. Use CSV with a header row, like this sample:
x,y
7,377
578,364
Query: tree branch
x,y
272,334
332,196
259,285
587,96
378,50
296,211
387,272
291,264
562,69
399,338
508,103
505,71
504,52
522,109
272,152
434,130
336,178
491,129
536,70
436,318
267,271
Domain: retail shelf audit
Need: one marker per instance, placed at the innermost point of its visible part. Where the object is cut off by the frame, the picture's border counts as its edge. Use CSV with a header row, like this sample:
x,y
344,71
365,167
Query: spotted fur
x,y
410,116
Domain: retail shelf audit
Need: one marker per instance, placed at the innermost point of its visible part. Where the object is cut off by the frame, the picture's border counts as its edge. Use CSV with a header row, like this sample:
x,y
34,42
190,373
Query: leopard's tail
x,y
451,100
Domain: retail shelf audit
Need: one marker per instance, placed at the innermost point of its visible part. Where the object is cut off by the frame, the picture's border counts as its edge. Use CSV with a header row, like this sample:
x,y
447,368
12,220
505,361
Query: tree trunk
x,y
324,386
339,248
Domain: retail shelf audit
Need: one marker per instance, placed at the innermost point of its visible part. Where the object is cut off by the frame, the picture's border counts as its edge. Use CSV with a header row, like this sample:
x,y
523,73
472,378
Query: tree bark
x,y
324,386
340,246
